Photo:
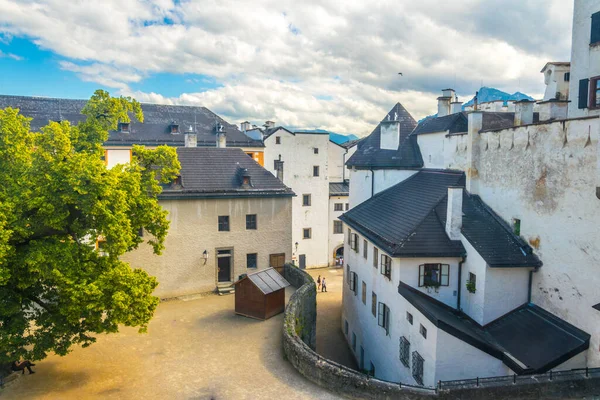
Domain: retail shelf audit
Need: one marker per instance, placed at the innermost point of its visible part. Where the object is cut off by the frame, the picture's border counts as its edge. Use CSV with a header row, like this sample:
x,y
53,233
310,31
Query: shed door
x,y
276,261
302,261
224,265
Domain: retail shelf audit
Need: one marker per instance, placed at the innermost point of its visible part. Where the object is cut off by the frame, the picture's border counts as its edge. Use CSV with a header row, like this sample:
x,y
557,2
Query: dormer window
x,y
174,128
124,127
246,180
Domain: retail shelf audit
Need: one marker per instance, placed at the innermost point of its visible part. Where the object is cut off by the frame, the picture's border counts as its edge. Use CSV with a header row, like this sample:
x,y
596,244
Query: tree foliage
x,y
56,198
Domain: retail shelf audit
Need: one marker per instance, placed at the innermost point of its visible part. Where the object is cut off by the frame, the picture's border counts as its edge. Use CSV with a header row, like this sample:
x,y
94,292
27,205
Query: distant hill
x,y
337,138
486,94
491,94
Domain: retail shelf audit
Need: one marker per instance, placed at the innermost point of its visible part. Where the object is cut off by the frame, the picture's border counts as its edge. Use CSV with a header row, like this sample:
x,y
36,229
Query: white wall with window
x,y
437,277
113,157
295,154
362,182
337,206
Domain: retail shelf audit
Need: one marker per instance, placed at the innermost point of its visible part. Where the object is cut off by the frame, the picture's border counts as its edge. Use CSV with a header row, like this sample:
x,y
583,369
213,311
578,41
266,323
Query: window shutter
x,y
595,35
421,274
583,93
380,317
387,319
445,274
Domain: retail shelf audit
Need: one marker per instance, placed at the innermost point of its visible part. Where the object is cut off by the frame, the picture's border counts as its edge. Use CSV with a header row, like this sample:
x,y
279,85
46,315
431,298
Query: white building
x,y
585,60
415,310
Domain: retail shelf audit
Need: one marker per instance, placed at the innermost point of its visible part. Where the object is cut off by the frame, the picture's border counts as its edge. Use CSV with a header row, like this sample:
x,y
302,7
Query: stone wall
x,y
299,343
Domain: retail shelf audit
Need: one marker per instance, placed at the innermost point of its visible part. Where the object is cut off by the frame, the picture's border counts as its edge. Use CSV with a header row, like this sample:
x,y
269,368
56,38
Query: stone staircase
x,y
225,288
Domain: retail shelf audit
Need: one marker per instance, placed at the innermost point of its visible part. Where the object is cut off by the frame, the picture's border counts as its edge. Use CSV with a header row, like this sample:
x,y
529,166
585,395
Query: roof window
x,y
124,126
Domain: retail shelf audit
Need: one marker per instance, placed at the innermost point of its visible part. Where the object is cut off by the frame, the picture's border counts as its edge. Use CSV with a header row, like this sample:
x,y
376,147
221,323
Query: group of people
x,y
321,284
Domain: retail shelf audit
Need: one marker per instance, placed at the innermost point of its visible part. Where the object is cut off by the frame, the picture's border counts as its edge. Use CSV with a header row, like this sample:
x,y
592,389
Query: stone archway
x,y
338,255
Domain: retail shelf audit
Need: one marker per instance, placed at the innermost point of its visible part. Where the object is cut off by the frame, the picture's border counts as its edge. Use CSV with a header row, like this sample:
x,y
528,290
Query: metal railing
x,y
579,373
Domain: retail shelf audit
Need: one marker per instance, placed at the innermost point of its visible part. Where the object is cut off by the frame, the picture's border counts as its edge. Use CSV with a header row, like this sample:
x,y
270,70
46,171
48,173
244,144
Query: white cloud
x,y
10,55
311,63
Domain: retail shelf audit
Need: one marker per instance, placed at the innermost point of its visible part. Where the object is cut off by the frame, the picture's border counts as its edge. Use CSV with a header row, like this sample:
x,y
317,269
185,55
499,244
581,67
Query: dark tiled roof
x,y
217,172
454,123
369,155
403,221
268,280
339,188
350,143
154,131
409,220
527,339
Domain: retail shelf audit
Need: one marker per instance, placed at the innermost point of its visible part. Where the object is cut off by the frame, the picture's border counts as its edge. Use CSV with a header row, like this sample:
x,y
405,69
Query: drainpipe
x,y
372,183
460,264
344,167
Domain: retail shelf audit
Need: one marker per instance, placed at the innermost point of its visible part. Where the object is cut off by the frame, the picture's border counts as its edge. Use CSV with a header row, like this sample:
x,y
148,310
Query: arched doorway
x,y
338,256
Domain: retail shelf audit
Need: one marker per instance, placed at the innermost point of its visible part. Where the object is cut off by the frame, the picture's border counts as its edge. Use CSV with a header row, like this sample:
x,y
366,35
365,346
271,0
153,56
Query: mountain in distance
x,y
491,94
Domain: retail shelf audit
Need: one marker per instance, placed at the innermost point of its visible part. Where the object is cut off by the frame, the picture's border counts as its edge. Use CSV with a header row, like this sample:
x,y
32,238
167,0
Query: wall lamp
x,y
205,256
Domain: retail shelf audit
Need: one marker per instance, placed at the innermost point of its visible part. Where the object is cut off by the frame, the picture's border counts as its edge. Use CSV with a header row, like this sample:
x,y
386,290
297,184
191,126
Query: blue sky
x,y
310,64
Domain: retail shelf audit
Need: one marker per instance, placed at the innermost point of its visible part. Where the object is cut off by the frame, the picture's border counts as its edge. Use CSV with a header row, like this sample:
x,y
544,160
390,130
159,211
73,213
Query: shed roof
x,y
527,339
268,280
339,188
154,131
368,153
217,172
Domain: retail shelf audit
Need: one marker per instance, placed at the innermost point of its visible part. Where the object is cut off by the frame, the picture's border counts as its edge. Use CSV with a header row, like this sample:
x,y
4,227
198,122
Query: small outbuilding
x,y
261,294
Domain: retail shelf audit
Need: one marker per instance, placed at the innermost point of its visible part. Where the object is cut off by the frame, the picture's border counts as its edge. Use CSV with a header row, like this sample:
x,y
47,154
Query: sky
x,y
308,64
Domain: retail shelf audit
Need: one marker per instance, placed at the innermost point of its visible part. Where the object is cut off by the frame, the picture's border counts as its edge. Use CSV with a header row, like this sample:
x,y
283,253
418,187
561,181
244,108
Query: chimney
x,y
454,212
269,124
455,107
523,112
244,126
190,137
443,106
475,124
221,140
389,134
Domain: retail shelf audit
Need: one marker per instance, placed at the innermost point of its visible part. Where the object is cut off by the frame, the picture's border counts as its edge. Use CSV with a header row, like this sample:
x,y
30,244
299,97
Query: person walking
x,y
323,285
319,283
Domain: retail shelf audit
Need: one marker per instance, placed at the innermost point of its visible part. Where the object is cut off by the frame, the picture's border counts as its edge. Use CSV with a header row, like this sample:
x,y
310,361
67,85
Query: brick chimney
x,y
454,212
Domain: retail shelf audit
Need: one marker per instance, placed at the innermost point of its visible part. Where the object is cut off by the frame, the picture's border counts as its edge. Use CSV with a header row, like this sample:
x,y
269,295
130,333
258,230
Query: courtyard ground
x,y
195,349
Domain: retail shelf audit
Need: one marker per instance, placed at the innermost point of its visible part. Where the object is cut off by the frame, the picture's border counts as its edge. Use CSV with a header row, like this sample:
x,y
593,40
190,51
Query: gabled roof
x,y
454,123
268,280
409,220
403,221
368,153
339,188
527,339
557,63
218,172
155,130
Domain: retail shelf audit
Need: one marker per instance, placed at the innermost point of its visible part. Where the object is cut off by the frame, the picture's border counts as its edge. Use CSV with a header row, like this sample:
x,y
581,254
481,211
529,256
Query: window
x,y
316,150
347,206
383,317
124,126
251,260
409,318
417,367
353,280
316,170
306,233
595,34
364,293
365,249
354,342
224,223
251,221
338,207
595,92
346,327
404,351
277,139
306,200
338,227
517,226
567,77
354,242
174,128
374,304
472,284
582,101
423,331
434,275
375,256
386,266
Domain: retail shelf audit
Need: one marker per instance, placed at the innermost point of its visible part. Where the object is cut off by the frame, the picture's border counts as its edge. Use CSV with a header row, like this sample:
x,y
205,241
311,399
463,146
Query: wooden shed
x,y
261,294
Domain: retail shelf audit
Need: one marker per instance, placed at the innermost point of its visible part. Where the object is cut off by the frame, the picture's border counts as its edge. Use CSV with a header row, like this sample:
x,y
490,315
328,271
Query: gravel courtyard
x,y
196,349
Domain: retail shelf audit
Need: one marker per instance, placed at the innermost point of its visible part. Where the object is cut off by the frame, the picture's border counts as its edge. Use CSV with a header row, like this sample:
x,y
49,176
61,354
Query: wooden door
x,y
224,265
276,261
302,261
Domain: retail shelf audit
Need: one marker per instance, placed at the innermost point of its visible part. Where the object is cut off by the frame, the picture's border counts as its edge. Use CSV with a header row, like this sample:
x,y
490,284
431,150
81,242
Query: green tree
x,y
56,198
